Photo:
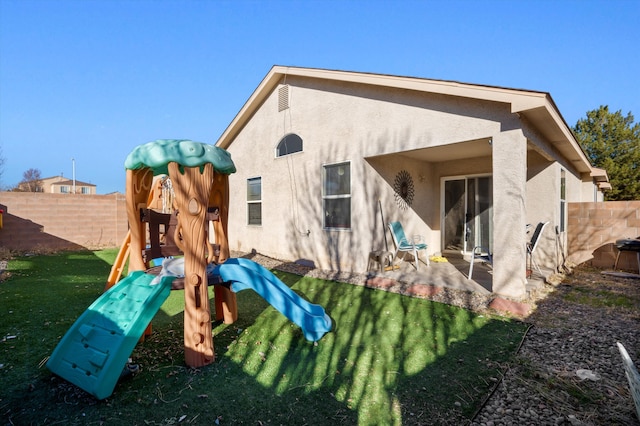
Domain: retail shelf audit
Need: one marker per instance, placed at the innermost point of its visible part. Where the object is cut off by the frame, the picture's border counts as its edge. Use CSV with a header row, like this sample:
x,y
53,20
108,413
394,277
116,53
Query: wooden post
x,y
192,188
137,192
219,197
225,300
118,264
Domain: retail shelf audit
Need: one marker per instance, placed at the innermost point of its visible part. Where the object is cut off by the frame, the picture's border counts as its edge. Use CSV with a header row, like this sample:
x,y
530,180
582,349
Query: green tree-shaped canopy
x,y
158,154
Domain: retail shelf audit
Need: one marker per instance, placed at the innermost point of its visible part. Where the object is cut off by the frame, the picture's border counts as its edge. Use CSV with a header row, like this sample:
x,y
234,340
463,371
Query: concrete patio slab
x,y
451,274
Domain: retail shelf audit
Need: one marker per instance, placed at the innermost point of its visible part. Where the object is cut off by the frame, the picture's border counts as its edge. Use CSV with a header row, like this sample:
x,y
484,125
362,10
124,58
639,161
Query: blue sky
x,y
92,79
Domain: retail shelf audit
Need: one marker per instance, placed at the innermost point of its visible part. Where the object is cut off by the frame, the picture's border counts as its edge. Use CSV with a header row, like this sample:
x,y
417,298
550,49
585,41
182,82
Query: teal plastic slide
x,y
245,274
93,353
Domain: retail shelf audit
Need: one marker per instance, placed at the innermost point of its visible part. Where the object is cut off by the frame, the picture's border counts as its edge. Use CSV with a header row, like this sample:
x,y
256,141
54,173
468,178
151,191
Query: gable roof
x,y
59,180
70,182
537,107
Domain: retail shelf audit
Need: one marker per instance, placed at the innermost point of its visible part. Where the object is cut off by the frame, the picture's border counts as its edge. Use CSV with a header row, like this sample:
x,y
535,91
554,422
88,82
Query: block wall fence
x,y
33,221
40,221
593,229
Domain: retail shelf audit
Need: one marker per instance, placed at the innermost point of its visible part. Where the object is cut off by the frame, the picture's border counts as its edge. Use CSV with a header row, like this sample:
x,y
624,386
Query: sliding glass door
x,y
467,215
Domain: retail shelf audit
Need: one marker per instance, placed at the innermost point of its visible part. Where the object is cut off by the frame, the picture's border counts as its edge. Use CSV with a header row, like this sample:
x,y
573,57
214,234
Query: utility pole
x,y
73,172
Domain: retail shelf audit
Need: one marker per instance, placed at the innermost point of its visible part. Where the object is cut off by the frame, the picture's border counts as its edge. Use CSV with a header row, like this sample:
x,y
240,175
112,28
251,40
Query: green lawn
x,y
390,359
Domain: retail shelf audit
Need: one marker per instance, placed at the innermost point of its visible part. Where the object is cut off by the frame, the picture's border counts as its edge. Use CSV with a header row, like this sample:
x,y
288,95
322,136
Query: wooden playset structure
x,y
191,221
200,205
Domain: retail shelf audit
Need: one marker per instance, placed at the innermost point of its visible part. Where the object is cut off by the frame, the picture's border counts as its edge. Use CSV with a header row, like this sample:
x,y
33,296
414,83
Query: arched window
x,y
288,145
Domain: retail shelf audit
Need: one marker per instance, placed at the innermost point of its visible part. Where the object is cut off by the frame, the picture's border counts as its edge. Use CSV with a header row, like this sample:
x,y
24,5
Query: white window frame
x,y
254,202
326,197
282,140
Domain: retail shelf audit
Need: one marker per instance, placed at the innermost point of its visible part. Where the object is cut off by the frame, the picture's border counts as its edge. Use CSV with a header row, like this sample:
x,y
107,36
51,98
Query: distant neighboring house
x,y
63,185
323,155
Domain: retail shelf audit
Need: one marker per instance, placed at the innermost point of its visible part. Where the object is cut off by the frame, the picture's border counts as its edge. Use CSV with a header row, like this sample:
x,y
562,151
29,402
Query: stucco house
x,y
325,158
63,185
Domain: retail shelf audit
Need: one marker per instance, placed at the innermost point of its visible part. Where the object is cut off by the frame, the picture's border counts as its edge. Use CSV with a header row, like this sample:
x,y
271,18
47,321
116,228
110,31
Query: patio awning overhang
x,y
477,148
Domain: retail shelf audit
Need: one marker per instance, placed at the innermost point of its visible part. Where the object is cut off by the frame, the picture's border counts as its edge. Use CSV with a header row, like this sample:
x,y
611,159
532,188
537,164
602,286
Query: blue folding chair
x,y
404,245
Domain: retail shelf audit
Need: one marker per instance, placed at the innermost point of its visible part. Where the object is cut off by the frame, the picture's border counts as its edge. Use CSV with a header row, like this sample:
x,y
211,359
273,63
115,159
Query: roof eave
x,y
538,106
599,175
520,100
548,120
603,186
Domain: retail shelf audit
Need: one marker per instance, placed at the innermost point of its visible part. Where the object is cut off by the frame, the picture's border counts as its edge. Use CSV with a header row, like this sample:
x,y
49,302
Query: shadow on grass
x,y
390,359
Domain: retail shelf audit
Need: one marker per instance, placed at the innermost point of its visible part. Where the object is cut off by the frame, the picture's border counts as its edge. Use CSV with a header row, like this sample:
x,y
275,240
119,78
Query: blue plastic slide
x,y
244,274
94,351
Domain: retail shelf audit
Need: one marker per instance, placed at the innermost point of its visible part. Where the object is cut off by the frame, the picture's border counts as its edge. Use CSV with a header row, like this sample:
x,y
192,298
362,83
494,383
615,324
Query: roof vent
x,y
283,97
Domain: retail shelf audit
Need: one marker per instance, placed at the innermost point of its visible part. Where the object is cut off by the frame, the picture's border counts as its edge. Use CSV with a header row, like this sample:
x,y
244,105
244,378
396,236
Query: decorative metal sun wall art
x,y
403,186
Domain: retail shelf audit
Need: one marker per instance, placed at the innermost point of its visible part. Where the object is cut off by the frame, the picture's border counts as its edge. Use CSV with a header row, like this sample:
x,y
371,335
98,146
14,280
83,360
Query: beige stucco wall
x,y
543,205
375,129
590,192
54,185
421,219
338,126
544,171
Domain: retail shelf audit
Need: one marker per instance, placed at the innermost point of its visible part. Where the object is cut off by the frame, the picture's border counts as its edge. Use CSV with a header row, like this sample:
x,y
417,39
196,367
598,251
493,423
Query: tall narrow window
x,y
254,201
336,196
288,145
563,199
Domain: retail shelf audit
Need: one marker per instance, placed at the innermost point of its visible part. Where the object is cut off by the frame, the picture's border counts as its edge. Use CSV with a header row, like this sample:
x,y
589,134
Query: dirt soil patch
x,y
573,335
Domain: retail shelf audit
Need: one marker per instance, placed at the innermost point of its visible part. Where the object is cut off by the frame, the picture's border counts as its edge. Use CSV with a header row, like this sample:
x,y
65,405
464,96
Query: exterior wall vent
x,y
283,97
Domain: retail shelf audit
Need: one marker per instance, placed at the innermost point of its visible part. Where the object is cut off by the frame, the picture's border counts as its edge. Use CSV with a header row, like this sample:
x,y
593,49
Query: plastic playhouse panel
x,y
93,352
244,274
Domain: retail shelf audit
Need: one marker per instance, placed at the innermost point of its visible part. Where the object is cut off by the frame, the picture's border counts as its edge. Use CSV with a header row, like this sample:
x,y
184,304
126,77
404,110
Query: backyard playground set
x,y
94,351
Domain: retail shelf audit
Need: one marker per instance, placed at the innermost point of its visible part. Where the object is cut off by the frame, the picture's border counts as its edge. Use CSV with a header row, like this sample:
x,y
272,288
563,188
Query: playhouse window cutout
x,y
254,201
289,144
336,196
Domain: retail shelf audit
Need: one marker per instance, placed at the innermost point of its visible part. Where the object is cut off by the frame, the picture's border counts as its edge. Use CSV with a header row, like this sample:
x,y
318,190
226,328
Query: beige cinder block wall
x,y
595,226
36,220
